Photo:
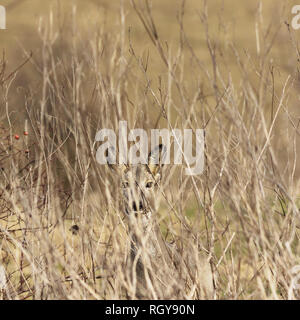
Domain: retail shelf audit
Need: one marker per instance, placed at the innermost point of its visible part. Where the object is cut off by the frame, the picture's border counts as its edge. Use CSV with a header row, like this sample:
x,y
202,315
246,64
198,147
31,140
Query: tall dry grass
x,y
62,231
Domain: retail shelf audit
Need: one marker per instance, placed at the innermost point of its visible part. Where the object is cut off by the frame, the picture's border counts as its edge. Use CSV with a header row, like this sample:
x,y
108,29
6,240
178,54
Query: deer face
x,y
139,184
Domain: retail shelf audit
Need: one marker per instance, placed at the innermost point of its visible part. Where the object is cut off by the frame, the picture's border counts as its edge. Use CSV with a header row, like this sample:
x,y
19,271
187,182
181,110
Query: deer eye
x,y
149,184
125,184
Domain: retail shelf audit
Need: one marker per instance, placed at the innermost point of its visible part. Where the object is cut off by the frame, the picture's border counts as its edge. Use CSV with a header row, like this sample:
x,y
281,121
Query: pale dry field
x,y
70,68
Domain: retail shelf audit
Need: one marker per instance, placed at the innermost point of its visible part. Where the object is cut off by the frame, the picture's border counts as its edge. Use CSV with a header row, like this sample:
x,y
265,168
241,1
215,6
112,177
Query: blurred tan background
x,y
23,17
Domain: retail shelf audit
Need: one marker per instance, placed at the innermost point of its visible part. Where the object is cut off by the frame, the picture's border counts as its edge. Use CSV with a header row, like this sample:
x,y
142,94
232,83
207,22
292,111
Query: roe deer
x,y
149,252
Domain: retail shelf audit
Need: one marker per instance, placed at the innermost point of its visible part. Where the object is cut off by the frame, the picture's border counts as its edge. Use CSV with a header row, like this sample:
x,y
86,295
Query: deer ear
x,y
111,156
155,159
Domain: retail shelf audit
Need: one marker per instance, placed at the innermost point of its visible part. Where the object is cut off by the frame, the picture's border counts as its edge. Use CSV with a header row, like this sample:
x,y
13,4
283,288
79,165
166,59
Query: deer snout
x,y
137,208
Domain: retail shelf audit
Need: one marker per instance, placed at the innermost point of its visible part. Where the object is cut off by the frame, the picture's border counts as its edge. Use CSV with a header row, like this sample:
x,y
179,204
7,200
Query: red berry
x,y
25,133
17,137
